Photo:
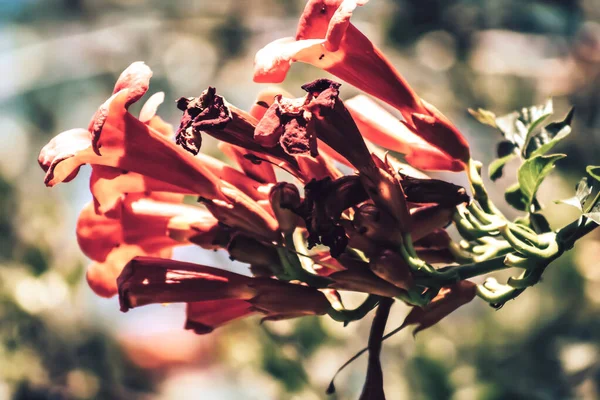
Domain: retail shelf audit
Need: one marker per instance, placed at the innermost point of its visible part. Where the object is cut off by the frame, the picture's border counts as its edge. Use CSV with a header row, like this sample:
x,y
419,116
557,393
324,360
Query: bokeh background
x,y
58,62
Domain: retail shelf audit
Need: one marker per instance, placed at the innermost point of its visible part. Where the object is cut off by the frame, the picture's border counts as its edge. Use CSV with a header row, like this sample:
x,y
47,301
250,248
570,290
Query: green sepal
x,y
594,171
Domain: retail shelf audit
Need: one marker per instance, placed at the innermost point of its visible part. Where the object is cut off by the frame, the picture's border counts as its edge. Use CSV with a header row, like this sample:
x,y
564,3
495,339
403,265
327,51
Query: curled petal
x,y
150,107
126,143
64,146
136,79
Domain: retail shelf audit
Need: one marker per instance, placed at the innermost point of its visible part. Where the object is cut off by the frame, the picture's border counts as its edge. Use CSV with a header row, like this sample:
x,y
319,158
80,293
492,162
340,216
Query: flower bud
x,y
433,191
284,198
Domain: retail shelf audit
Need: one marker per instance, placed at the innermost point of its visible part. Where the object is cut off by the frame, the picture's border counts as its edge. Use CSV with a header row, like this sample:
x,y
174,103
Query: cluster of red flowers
x,y
305,239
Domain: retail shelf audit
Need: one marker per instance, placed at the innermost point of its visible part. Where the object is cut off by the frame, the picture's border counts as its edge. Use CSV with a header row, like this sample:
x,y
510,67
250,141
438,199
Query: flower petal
x,y
153,280
150,107
205,316
448,300
126,143
248,163
102,276
67,149
385,130
110,185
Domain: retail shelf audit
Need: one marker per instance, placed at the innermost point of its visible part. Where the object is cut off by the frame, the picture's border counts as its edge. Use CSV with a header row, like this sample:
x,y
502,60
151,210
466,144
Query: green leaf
x,y
484,116
532,173
594,171
548,137
497,166
517,127
582,193
515,197
594,213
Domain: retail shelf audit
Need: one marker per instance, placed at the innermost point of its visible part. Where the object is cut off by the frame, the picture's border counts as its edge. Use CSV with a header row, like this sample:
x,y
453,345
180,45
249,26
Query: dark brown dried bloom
x,y
210,113
322,208
287,123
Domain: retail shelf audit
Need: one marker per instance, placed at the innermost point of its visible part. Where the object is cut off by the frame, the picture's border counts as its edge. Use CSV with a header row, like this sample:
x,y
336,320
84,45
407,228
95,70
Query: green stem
x,y
410,256
479,191
347,316
472,270
292,266
527,250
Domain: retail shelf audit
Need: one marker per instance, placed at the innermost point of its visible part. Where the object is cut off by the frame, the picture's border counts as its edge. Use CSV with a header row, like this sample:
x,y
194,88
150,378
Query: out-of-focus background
x,y
58,62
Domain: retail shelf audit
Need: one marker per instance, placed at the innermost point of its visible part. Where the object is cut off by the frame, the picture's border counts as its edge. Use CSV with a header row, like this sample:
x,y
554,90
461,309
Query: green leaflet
x,y
582,193
548,137
594,213
532,173
519,126
484,116
515,197
497,166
